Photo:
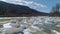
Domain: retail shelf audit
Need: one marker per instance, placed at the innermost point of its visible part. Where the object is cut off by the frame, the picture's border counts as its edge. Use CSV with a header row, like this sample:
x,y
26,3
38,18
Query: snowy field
x,y
30,25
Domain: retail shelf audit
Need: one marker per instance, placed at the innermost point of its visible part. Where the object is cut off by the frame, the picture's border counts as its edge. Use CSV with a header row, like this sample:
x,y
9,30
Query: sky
x,y
39,5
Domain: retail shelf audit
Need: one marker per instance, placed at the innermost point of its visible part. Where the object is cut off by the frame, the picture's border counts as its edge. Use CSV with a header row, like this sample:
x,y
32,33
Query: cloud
x,y
31,4
34,4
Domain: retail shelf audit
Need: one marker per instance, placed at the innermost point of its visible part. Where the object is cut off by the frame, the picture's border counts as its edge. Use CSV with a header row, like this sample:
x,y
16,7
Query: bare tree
x,y
55,10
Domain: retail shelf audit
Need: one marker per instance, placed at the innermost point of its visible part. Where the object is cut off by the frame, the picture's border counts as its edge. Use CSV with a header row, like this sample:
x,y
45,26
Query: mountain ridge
x,y
13,10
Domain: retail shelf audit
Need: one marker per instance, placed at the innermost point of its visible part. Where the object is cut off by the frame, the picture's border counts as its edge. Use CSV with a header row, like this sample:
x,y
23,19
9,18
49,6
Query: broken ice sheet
x,y
29,26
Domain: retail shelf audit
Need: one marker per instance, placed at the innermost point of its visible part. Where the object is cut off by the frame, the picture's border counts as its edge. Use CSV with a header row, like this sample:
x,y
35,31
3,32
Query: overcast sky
x,y
40,5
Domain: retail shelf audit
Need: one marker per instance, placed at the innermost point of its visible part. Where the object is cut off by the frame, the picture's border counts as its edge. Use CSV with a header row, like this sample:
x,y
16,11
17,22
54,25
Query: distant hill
x,y
13,10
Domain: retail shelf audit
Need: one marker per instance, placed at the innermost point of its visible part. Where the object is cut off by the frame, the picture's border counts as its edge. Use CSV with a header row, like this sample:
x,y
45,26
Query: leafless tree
x,y
55,10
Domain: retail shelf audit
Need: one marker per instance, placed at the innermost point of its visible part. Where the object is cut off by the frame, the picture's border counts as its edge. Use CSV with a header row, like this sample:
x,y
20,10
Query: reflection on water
x,y
30,25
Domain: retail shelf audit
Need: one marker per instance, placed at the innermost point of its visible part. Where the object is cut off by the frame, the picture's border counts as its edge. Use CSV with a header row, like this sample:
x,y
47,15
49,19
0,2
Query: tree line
x,y
55,11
